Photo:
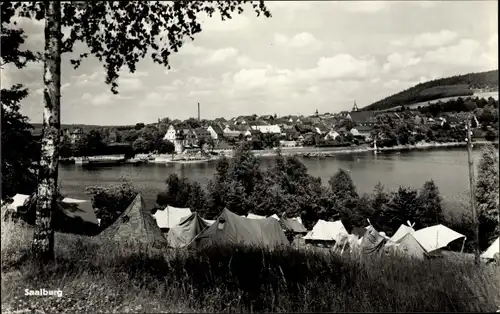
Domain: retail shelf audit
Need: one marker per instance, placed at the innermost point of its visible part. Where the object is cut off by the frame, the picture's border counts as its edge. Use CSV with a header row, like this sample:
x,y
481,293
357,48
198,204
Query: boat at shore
x,y
99,161
189,160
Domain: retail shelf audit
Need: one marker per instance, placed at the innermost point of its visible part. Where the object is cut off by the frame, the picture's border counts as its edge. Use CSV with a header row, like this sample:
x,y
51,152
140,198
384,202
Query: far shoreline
x,y
327,152
311,152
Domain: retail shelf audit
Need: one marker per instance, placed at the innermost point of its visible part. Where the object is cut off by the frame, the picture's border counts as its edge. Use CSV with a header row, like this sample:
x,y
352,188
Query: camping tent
x,y
170,216
136,225
18,200
253,216
492,250
407,246
181,235
372,241
230,229
275,217
327,231
358,232
436,237
298,219
292,225
71,215
9,208
402,231
208,221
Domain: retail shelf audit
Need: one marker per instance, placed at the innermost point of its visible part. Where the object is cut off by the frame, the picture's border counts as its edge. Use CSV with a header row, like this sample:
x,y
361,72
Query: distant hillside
x,y
460,85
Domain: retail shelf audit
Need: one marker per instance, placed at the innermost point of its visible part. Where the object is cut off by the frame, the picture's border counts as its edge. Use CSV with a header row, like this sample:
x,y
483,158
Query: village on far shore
x,y
199,140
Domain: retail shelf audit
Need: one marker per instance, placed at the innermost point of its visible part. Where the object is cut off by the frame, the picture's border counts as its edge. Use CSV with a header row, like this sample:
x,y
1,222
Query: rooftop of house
x,y
361,116
363,128
217,129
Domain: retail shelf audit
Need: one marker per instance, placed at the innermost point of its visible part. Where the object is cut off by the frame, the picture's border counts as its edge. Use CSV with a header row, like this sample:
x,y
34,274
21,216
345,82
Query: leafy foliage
x,y
121,33
487,194
18,170
181,192
110,201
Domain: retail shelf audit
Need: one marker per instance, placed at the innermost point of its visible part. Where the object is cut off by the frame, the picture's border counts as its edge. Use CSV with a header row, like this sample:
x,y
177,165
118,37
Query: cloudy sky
x,y
308,56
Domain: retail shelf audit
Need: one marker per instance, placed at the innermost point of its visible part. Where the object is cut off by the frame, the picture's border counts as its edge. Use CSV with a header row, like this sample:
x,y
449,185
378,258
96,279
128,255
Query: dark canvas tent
x,y
135,225
70,215
372,241
358,231
292,225
230,229
181,235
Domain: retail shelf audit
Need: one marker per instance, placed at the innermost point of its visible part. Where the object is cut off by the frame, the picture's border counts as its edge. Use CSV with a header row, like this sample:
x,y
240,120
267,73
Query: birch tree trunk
x,y
43,239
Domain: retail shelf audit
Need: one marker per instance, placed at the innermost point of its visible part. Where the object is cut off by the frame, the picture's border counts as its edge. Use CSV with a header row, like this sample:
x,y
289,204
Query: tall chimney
x,y
199,112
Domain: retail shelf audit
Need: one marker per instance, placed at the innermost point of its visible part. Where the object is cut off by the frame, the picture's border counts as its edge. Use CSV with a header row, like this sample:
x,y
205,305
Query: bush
x,y
110,201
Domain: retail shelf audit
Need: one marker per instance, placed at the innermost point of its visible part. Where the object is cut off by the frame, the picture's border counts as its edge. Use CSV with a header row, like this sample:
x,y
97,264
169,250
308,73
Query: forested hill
x,y
459,85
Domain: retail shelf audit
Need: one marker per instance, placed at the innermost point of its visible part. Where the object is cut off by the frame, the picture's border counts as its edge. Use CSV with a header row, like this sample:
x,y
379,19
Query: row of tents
x,y
182,228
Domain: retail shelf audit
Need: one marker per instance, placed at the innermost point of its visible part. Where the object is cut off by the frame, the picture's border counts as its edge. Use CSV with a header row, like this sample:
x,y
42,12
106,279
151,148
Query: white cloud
x,y
191,49
252,78
246,62
155,99
215,24
102,99
128,84
397,60
345,66
84,79
493,42
441,38
304,41
65,86
220,55
463,53
392,84
397,43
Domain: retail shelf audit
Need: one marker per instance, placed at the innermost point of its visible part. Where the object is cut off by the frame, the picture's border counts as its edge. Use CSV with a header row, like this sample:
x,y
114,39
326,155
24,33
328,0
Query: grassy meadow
x,y
132,279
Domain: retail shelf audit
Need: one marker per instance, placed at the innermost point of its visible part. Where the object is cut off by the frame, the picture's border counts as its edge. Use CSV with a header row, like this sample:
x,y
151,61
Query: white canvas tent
x,y
275,217
492,250
298,219
327,231
208,221
402,231
436,237
18,200
170,216
254,216
407,246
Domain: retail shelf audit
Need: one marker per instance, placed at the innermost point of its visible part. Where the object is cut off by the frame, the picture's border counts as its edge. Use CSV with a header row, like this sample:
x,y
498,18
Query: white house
x,y
288,143
171,133
273,129
215,132
228,133
332,135
355,132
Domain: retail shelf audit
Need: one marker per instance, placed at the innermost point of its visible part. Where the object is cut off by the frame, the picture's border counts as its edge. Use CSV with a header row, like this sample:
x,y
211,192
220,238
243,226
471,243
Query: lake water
x,y
447,167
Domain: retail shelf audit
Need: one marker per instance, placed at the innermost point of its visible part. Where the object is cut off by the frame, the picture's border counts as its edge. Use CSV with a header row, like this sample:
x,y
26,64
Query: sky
x,y
310,55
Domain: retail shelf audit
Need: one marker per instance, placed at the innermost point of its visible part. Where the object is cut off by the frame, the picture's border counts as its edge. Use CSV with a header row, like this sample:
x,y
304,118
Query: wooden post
x,y
472,192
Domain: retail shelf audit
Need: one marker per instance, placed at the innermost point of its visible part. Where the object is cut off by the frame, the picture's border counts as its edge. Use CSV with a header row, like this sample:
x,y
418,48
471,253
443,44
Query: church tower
x,y
355,107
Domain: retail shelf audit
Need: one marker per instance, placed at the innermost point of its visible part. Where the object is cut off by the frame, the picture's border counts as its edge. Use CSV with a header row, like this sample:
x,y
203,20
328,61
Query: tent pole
x,y
343,247
463,244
